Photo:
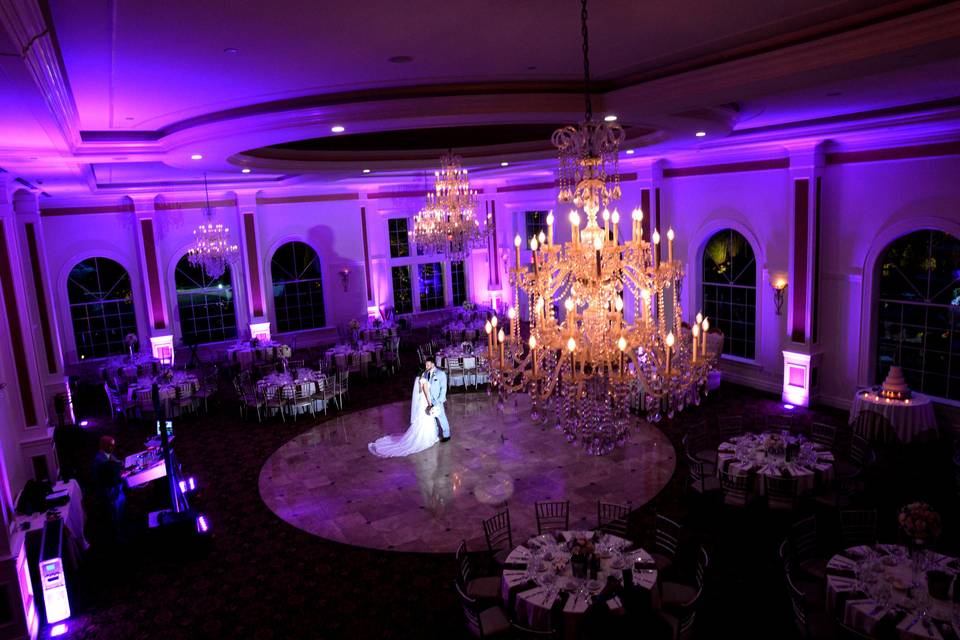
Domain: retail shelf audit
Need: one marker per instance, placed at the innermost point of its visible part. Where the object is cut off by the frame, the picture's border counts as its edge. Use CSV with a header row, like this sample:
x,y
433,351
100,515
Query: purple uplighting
x,y
84,423
202,526
58,630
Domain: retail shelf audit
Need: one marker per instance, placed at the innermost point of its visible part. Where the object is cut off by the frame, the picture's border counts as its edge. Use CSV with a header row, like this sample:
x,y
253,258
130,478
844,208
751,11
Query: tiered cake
x,y
895,387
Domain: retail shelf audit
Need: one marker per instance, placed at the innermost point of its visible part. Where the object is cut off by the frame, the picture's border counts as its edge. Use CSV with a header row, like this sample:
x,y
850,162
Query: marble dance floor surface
x,y
325,481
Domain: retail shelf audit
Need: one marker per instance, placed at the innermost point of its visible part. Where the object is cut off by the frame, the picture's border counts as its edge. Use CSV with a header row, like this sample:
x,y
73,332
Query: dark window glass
x,y
918,312
297,288
730,291
399,242
101,307
402,290
205,304
535,222
458,282
431,286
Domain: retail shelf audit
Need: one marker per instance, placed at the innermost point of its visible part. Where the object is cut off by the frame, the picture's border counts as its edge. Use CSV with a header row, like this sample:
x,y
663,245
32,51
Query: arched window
x,y
730,291
101,307
919,312
297,287
205,304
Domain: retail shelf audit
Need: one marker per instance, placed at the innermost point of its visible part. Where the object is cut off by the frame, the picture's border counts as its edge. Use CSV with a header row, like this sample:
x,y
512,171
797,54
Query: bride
x,y
422,433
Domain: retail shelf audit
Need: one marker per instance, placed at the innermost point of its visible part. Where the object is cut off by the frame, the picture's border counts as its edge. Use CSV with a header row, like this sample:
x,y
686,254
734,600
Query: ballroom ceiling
x,y
144,86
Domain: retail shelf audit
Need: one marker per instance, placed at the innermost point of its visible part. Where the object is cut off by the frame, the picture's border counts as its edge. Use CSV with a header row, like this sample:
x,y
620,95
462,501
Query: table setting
x,y
777,455
565,572
142,389
879,418
132,366
888,589
464,330
246,352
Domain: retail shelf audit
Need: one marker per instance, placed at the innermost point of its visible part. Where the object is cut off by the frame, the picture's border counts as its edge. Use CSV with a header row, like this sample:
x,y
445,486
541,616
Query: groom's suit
x,y
438,396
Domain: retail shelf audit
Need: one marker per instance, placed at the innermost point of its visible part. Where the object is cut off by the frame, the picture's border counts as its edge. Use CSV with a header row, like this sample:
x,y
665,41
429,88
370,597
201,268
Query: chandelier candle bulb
x,y
653,247
696,338
550,221
670,342
706,328
606,222
533,354
575,227
489,329
615,219
670,245
516,243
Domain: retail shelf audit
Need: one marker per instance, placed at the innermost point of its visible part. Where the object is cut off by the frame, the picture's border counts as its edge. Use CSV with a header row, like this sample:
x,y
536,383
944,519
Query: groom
x,y
438,396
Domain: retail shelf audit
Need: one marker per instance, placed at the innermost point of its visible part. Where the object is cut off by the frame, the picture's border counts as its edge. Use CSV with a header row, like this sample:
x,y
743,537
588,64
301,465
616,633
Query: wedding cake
x,y
895,387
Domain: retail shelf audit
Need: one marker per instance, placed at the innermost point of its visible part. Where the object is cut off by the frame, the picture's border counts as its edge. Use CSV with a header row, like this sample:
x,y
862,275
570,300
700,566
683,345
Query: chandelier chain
x,y
586,60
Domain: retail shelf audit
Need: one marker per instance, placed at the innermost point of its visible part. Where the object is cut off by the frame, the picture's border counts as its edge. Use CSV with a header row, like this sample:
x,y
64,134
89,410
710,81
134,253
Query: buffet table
x,y
884,419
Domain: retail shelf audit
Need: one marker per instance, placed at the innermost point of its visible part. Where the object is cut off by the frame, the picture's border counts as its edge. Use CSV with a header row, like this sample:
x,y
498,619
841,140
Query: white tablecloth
x,y
910,420
71,513
535,593
889,571
807,474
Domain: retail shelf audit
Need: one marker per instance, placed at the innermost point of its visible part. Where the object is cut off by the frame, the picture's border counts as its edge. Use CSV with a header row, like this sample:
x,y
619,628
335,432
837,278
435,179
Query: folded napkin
x,y
519,555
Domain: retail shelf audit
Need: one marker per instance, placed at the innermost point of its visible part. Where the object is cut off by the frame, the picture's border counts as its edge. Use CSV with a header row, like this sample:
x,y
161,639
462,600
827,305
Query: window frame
x,y
112,347
229,275
751,353
881,320
431,299
284,325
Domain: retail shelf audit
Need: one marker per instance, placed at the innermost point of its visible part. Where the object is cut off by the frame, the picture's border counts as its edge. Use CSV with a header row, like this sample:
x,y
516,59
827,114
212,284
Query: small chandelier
x,y
447,224
592,369
212,250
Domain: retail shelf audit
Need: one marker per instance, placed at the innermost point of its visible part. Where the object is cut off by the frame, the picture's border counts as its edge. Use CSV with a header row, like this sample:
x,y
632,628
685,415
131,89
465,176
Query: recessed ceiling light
x,y
338,128
701,134
196,156
366,170
245,170
629,152
610,118
400,59
504,164
231,51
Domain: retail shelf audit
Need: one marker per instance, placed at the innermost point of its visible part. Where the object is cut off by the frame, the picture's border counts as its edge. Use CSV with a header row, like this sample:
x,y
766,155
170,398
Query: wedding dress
x,y
422,433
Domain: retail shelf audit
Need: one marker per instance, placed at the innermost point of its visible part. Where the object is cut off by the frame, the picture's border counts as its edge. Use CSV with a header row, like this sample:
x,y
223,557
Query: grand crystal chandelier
x,y
590,367
212,250
447,224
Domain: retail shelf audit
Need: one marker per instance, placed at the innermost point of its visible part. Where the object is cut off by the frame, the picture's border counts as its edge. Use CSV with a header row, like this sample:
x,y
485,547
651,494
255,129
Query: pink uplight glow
x,y
58,630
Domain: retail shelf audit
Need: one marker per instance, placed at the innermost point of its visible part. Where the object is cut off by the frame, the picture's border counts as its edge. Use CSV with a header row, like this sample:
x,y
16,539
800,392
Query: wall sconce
x,y
779,284
345,278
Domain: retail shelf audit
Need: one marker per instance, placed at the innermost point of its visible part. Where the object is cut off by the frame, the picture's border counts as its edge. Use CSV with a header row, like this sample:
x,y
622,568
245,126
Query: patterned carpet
x,y
263,578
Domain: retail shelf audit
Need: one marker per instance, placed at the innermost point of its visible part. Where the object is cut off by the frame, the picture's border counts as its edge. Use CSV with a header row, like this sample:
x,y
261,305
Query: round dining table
x,y
538,579
880,419
763,456
886,590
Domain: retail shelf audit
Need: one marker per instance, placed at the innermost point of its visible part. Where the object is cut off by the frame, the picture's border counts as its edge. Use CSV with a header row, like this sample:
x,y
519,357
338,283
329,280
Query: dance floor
x,y
325,481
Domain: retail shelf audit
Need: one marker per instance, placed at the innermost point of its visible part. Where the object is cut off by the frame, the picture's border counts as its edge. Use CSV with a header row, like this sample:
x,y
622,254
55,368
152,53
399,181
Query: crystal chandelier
x,y
212,250
447,224
592,368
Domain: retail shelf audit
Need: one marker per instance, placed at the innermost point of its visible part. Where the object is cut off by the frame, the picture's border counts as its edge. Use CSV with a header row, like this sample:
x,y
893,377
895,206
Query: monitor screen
x,y
169,424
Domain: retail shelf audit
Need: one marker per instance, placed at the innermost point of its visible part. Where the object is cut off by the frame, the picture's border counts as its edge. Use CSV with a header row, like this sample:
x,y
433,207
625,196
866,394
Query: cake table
x,y
880,419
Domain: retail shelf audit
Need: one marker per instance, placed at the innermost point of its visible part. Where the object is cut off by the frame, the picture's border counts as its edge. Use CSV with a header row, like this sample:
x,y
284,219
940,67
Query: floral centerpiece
x,y
132,342
920,523
773,444
284,351
580,547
